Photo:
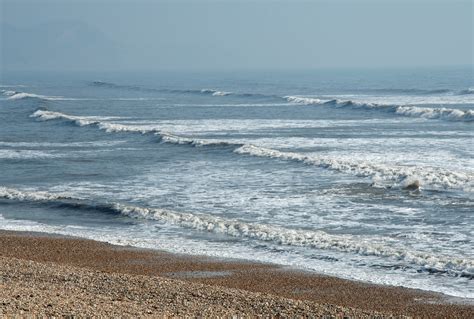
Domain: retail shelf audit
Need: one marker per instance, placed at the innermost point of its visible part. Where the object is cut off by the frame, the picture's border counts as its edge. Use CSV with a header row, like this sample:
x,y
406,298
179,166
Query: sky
x,y
227,34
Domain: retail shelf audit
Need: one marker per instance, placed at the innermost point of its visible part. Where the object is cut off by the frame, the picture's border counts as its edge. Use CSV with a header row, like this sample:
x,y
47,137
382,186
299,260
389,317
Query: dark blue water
x,y
359,174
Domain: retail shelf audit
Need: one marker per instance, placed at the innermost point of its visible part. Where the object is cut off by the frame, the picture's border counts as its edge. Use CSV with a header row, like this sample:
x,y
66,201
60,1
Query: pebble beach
x,y
52,276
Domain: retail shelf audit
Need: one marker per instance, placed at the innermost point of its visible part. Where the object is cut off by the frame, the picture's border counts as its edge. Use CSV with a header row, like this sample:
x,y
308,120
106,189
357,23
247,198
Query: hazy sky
x,y
235,34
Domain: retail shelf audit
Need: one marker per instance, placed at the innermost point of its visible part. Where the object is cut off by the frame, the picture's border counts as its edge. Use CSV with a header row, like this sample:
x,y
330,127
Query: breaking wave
x,y
15,95
397,176
110,127
436,113
411,111
179,140
215,92
448,114
14,194
238,94
367,246
100,122
23,95
304,100
8,92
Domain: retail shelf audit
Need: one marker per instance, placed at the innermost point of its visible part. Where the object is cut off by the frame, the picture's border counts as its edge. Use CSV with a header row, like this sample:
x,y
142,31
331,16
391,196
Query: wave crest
x,y
99,122
397,176
215,92
436,113
410,111
15,95
303,100
110,127
448,114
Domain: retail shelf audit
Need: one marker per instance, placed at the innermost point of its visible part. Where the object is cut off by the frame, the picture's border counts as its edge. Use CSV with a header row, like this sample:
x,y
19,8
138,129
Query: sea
x,y
364,174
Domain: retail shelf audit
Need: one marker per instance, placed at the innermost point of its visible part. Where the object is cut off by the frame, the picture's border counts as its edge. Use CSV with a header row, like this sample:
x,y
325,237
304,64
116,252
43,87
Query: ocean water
x,y
315,170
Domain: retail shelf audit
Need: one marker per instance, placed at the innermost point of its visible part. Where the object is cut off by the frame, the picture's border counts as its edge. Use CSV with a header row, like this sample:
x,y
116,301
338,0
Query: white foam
x,y
174,139
80,120
23,95
221,93
91,120
335,102
15,95
8,92
26,154
396,175
116,127
242,126
304,100
15,194
361,245
436,113
144,236
404,100
216,92
389,106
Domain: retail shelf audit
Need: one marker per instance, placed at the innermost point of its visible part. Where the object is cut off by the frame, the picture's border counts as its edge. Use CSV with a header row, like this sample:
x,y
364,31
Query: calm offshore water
x,y
308,169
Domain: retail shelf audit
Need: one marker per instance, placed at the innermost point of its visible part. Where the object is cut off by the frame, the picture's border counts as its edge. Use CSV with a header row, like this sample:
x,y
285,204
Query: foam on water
x,y
242,126
26,154
399,176
111,127
79,120
14,95
400,105
140,237
410,96
396,176
304,100
215,92
174,139
8,92
404,100
368,245
412,111
372,181
437,113
15,194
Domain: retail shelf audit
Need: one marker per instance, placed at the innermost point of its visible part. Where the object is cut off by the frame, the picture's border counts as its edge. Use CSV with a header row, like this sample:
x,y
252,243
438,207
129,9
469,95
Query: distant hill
x,y
60,45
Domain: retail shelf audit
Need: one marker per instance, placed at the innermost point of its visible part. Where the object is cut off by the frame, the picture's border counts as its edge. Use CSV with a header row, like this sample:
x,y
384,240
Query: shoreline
x,y
292,291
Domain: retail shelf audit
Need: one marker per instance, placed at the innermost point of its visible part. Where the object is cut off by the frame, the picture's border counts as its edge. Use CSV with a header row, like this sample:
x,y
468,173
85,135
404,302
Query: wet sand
x,y
55,275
